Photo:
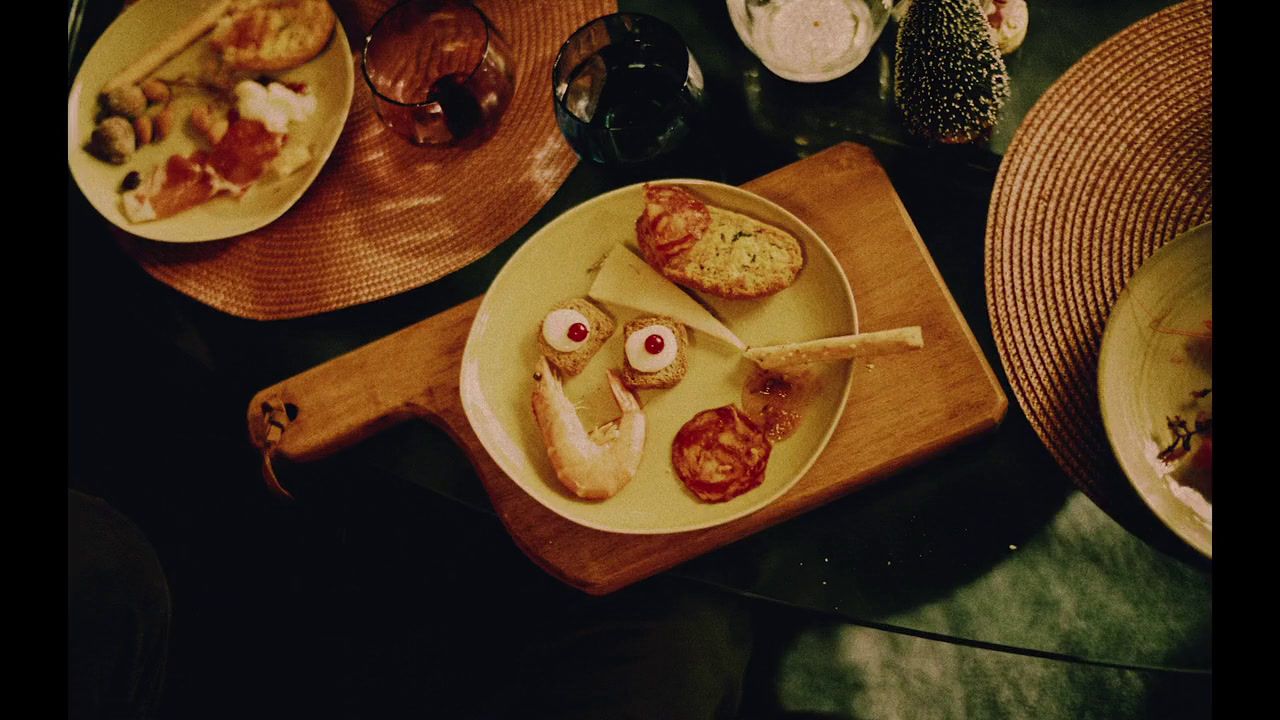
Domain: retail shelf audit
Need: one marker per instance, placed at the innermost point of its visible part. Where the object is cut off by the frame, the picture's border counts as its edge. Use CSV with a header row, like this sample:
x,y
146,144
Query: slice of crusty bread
x,y
602,326
272,35
714,250
738,257
667,377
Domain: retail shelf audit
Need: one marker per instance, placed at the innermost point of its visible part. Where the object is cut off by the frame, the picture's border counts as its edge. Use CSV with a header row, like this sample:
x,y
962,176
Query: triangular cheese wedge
x,y
625,279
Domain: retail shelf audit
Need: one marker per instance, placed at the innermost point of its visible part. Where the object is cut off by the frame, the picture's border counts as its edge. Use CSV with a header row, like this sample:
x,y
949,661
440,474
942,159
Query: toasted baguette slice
x,y
738,258
713,250
272,35
667,377
837,348
601,327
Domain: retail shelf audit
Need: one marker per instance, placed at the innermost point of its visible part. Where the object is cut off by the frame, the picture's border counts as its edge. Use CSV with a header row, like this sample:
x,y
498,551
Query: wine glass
x,y
626,89
439,71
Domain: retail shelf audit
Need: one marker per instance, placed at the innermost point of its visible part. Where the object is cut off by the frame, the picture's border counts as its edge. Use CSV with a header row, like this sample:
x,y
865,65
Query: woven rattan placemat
x,y
1112,162
383,216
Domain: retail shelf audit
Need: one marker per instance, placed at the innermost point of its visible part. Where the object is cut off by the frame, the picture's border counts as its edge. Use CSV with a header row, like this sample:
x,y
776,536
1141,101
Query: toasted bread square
x,y
667,377
601,327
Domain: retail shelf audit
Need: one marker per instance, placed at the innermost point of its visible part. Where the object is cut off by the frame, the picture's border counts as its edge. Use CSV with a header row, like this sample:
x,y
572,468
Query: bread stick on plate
x,y
837,348
160,53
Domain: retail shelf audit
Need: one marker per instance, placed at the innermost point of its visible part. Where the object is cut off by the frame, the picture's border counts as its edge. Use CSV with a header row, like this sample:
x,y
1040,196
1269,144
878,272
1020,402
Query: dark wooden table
x,y
988,544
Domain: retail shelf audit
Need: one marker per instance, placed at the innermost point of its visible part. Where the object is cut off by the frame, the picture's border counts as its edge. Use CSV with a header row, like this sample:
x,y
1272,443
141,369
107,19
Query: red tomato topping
x,y
248,31
242,155
672,220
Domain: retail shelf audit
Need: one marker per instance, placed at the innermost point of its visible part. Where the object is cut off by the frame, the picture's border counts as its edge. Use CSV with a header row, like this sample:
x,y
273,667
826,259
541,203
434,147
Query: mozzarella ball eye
x,y
566,330
652,348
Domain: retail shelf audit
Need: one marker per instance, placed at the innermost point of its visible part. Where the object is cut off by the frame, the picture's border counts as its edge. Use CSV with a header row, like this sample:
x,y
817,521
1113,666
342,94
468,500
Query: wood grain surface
x,y
902,409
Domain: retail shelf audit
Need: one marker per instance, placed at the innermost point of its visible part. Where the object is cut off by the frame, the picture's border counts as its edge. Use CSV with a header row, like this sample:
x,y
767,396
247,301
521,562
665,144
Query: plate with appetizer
x,y
196,120
1155,384
665,357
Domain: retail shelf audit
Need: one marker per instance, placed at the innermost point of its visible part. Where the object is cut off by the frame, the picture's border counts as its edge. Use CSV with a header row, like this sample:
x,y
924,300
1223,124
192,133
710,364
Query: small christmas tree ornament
x,y
950,79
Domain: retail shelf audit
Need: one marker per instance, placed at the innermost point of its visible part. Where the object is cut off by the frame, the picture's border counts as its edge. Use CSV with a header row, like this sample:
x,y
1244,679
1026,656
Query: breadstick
x,y
837,348
170,46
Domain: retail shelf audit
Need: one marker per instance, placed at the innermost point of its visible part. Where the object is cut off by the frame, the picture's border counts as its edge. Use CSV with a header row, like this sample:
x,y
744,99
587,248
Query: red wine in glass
x,y
462,112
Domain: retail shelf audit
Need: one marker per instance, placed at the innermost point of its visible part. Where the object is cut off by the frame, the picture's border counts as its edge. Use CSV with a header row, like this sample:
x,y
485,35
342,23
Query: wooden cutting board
x,y
902,408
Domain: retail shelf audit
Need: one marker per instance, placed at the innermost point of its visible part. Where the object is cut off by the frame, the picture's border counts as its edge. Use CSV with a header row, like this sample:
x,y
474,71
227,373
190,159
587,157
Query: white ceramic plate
x,y
1156,351
329,76
556,264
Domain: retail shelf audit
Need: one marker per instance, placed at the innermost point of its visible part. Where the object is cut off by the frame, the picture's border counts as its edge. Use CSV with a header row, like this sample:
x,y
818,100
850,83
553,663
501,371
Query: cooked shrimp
x,y
594,465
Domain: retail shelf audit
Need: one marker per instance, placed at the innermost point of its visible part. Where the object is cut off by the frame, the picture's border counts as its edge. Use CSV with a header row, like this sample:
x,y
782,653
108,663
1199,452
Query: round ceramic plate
x,y
1155,365
558,263
329,76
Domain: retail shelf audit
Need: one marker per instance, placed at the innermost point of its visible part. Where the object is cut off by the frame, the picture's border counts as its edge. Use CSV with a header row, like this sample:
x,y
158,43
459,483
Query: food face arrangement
x,y
721,452
237,106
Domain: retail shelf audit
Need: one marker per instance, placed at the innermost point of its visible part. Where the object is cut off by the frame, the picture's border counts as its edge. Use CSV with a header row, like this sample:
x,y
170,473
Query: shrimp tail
x,y
593,465
623,396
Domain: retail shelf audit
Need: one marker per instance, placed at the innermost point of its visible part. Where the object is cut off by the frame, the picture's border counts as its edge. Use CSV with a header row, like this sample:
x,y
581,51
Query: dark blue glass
x,y
626,89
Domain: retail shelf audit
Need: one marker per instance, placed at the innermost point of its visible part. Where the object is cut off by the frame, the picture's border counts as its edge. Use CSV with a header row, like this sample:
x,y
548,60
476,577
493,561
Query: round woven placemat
x,y
383,216
1113,161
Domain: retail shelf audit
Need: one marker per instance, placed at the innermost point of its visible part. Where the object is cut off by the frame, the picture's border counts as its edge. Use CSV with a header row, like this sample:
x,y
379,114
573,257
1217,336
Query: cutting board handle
x,y
410,374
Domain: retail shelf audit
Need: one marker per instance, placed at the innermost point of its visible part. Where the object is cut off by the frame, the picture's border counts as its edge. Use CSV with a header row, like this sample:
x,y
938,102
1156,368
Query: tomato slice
x,y
672,221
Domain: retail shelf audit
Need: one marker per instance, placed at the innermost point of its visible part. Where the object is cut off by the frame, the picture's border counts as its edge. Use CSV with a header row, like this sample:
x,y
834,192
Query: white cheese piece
x,y
274,106
296,106
136,204
625,279
555,329
137,207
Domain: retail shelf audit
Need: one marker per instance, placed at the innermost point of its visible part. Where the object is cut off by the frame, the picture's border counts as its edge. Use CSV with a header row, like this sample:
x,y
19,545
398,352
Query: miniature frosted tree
x,y
950,79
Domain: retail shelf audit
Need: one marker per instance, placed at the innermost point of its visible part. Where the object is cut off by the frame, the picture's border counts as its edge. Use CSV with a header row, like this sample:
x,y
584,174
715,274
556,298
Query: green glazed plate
x,y
558,263
329,76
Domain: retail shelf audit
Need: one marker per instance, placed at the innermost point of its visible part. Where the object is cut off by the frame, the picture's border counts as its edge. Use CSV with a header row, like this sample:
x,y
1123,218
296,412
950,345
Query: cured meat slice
x,y
179,184
239,159
672,221
720,454
243,154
